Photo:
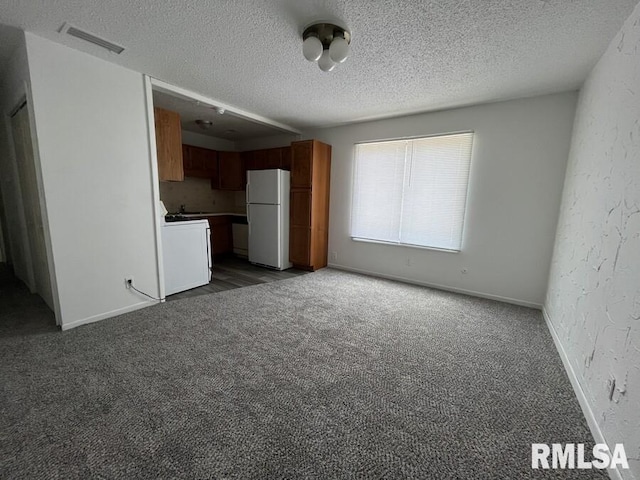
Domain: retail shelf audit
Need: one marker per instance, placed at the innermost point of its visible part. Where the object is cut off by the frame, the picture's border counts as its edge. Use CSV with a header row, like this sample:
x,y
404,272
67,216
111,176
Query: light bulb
x,y
325,63
339,50
312,48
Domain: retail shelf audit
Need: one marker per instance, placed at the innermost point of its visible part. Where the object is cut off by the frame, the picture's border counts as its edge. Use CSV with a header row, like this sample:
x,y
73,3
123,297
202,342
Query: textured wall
x,y
593,300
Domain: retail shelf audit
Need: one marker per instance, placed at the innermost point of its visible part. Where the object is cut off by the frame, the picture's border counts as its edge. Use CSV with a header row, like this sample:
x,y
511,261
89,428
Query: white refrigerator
x,y
268,218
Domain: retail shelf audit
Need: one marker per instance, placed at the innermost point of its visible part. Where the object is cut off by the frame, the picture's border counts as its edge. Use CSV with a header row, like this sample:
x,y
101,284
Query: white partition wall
x,y
91,122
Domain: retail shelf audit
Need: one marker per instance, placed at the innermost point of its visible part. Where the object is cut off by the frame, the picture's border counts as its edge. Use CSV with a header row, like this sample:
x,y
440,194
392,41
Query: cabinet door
x,y
299,245
249,162
168,145
186,157
231,171
301,164
300,208
202,163
211,161
257,160
198,160
221,235
272,158
286,158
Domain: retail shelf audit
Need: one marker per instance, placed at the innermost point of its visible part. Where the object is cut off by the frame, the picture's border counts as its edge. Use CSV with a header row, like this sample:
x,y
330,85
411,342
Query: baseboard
x,y
514,301
102,316
598,436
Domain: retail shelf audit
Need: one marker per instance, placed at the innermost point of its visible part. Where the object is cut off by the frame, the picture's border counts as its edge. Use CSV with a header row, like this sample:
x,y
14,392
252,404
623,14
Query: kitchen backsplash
x,y
197,196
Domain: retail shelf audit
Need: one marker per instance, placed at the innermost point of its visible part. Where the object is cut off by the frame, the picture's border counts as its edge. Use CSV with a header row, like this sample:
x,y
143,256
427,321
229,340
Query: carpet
x,y
328,375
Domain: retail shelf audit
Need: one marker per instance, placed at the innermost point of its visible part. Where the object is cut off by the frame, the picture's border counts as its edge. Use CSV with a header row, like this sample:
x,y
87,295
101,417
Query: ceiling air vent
x,y
91,38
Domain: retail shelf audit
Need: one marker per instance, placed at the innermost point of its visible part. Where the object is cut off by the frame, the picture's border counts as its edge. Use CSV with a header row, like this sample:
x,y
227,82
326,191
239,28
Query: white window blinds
x,y
412,192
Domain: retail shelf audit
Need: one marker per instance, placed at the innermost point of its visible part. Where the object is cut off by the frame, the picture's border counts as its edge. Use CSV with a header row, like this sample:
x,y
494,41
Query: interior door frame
x,y
27,97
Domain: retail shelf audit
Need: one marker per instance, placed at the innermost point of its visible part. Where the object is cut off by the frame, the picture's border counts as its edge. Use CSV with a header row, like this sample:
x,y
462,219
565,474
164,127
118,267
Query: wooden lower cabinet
x,y
300,246
221,234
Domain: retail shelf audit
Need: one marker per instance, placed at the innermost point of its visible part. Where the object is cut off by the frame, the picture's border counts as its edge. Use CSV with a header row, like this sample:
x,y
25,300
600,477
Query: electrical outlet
x,y
334,256
408,262
128,282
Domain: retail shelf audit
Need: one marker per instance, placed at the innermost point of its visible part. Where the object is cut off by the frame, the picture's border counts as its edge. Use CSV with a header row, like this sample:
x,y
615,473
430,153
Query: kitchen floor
x,y
233,272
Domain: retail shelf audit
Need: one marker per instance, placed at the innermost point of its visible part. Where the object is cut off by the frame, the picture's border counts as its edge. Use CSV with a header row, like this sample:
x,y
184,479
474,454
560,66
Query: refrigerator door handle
x,y
248,220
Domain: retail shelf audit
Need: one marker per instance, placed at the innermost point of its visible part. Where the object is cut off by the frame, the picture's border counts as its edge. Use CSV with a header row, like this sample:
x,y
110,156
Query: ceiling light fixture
x,y
204,124
327,44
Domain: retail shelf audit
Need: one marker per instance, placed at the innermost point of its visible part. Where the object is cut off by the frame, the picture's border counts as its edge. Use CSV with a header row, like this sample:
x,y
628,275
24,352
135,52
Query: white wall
x,y
519,158
92,130
205,141
273,141
12,90
593,302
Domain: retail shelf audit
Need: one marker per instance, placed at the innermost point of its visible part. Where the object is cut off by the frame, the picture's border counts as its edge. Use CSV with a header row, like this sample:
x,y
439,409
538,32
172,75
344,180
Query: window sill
x,y
419,247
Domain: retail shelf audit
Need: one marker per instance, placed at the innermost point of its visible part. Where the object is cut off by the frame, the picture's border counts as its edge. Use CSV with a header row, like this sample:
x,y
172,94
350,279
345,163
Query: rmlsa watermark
x,y
572,455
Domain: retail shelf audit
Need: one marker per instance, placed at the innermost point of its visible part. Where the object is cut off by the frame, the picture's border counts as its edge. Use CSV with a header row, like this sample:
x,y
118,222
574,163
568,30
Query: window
x,y
412,192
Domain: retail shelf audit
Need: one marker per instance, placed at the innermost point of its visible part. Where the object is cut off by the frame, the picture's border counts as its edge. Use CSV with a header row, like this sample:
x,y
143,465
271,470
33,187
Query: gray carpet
x,y
328,375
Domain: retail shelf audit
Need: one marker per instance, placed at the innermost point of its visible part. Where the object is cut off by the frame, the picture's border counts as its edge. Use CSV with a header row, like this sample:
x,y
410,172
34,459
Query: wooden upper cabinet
x,y
168,145
200,162
186,158
301,164
231,171
255,160
273,158
268,158
286,158
211,162
199,158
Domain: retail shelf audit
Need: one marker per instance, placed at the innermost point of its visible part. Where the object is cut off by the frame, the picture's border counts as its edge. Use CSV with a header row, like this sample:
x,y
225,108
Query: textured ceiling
x,y
407,55
227,126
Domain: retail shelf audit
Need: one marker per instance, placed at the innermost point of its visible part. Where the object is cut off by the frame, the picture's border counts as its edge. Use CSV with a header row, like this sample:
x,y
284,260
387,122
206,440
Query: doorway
x,y
30,196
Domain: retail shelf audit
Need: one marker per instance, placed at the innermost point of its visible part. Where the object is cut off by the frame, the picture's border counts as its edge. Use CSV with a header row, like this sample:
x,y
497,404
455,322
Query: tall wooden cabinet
x,y
168,145
309,221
